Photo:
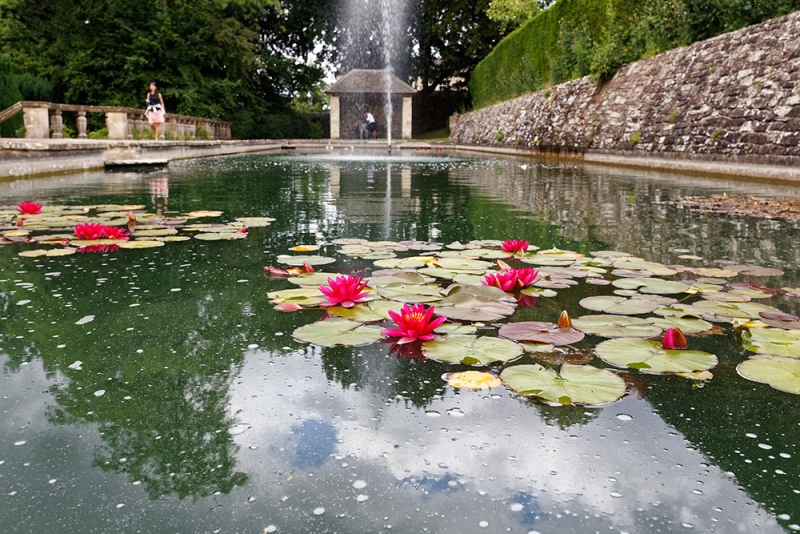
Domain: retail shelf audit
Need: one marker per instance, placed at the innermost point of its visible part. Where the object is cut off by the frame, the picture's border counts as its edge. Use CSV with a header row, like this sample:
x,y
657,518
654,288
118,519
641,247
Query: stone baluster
x,y
80,122
138,124
131,125
191,129
56,124
171,127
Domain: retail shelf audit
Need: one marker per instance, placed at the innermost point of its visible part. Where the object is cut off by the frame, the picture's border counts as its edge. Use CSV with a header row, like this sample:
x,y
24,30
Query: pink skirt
x,y
155,116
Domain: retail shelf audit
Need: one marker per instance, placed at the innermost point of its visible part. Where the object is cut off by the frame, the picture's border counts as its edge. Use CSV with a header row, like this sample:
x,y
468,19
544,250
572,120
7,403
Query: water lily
x,y
89,231
413,323
29,208
674,340
515,245
345,291
564,321
505,280
114,232
526,276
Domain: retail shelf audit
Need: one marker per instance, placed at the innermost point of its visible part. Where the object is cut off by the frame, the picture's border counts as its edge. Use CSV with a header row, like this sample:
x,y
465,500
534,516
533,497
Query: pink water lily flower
x,y
115,232
505,280
526,276
89,231
413,323
345,291
515,245
29,208
674,340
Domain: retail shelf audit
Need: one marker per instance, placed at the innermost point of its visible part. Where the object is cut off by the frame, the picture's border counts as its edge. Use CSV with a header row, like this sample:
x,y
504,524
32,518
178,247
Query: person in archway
x,y
155,110
372,126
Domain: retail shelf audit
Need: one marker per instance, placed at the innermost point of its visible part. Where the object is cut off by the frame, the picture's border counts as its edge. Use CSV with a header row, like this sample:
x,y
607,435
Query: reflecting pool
x,y
193,409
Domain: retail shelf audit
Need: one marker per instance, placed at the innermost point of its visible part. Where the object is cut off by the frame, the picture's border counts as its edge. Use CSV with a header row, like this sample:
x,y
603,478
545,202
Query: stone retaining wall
x,y
735,97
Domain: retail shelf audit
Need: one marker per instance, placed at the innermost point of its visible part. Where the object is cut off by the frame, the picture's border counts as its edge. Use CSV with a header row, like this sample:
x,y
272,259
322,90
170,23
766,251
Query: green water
x,y
195,411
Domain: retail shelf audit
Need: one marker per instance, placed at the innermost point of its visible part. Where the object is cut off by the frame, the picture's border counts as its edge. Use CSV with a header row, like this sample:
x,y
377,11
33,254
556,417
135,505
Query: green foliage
x,y
512,13
316,131
202,133
9,95
635,138
575,38
98,134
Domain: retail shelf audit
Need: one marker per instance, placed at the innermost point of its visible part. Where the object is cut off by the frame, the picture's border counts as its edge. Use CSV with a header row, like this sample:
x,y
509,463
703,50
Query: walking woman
x,y
155,109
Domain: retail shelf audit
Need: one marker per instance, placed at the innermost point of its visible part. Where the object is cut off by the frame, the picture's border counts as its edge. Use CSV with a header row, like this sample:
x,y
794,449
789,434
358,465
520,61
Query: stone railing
x,y
40,118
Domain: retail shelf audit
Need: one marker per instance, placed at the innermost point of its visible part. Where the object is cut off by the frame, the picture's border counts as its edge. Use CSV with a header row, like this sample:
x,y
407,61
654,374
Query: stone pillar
x,y
130,122
80,122
191,130
138,124
406,118
56,124
171,127
37,123
335,120
117,124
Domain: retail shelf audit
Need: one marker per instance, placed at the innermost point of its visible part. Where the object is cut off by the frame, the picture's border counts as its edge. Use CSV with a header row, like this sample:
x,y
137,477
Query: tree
x,y
513,13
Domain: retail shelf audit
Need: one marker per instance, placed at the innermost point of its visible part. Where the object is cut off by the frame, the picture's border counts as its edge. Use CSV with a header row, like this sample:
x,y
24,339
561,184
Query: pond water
x,y
194,410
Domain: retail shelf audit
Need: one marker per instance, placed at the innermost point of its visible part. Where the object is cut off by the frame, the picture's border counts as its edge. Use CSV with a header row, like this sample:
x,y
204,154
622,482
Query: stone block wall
x,y
737,94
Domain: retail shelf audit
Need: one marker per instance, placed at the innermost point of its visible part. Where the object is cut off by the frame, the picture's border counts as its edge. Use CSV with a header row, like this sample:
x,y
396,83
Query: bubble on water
x,y
319,511
624,417
86,319
517,507
120,505
270,529
13,493
687,525
362,498
697,492
251,499
242,281
784,517
483,524
452,483
785,455
23,302
751,435
252,346
616,495
99,393
433,413
52,481
20,443
455,412
238,428
76,365
360,484
139,351
60,346
764,446
137,482
794,527
133,305
253,447
780,472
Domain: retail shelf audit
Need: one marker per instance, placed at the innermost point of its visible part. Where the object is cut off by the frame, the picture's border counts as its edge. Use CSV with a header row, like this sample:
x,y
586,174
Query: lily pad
x,y
410,293
476,303
173,238
311,279
540,332
157,232
456,328
574,384
615,326
782,374
397,276
687,325
255,222
657,269
657,286
221,236
649,357
472,380
373,311
463,265
539,292
203,213
619,305
414,262
141,244
337,331
471,350
298,261
772,341
304,248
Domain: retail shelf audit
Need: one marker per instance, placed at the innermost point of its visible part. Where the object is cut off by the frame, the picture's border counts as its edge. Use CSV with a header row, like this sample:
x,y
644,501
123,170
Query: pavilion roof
x,y
369,81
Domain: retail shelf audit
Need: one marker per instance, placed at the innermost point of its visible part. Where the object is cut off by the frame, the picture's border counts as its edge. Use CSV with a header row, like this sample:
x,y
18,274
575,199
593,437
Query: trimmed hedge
x,y
576,38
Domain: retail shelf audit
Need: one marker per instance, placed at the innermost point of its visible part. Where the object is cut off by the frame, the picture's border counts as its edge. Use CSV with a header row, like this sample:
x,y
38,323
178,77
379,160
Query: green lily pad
x,y
463,265
687,325
414,262
540,332
355,250
66,251
311,279
539,292
726,311
468,279
297,261
721,296
772,341
255,222
410,293
173,238
656,268
303,296
471,350
159,232
782,374
456,328
619,305
90,242
656,286
574,384
337,331
397,276
610,254
221,236
544,261
615,326
649,357
437,272
349,241
476,303
373,311
140,244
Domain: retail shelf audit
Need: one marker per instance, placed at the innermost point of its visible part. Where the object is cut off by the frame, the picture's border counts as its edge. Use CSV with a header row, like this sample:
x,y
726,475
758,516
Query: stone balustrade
x,y
40,118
